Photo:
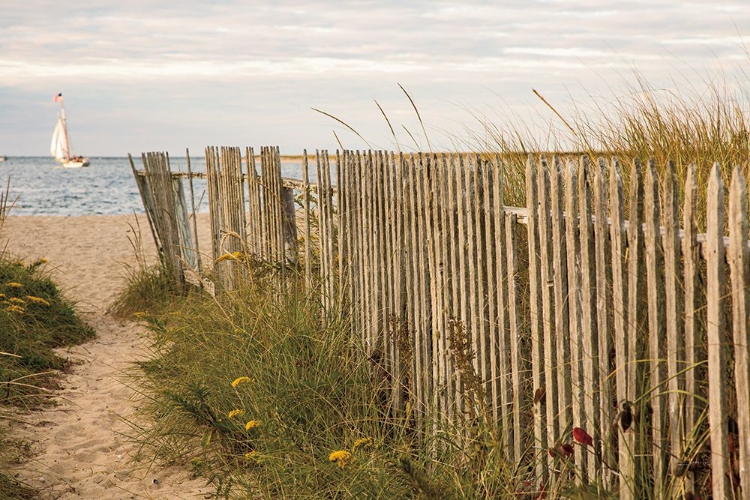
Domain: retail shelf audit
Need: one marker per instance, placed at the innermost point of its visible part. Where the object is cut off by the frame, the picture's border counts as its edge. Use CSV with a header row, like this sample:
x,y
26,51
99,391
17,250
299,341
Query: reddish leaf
x,y
566,450
582,436
539,395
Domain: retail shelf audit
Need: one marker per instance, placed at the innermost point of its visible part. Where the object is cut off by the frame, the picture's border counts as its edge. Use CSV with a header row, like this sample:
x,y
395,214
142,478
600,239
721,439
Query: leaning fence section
x,y
594,314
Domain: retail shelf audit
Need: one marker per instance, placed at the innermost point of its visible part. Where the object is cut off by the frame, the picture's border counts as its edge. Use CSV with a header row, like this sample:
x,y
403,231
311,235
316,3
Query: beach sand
x,y
83,451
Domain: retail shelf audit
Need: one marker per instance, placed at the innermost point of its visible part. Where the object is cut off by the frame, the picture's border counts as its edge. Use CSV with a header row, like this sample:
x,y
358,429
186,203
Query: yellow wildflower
x,y
37,300
236,412
16,300
341,457
252,424
362,443
15,309
226,256
240,380
14,284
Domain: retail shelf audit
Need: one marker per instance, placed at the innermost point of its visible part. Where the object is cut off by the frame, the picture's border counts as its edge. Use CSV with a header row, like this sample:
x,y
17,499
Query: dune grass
x,y
35,318
258,396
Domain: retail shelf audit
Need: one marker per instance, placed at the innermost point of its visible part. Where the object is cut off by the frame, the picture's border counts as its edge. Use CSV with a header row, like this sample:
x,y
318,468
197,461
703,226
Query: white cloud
x,y
250,59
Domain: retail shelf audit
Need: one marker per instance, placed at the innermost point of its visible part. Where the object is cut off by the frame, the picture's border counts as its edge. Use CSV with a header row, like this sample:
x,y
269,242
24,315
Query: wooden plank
x,y
306,215
562,316
535,324
636,306
340,252
456,228
402,360
548,304
574,293
361,250
394,264
199,265
501,358
673,317
589,340
330,234
514,323
275,163
493,192
483,352
604,257
717,357
323,231
620,320
472,325
656,329
431,277
436,289
412,288
693,338
739,265
368,247
421,244
446,248
380,255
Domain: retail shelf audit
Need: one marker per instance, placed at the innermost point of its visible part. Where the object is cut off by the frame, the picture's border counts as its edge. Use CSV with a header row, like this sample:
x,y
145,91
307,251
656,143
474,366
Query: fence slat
x,y
739,265
656,327
717,358
535,328
693,337
480,261
449,272
604,305
562,316
673,312
620,320
548,304
514,326
575,344
589,344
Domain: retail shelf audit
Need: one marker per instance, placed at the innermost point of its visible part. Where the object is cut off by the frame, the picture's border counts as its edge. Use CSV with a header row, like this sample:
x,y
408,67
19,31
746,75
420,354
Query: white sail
x,y
59,146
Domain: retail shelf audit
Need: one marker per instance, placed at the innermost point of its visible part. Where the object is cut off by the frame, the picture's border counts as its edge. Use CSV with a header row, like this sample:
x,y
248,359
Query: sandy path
x,y
82,451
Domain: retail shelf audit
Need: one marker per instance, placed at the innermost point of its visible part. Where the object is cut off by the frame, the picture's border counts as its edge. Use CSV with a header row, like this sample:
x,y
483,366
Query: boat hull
x,y
75,163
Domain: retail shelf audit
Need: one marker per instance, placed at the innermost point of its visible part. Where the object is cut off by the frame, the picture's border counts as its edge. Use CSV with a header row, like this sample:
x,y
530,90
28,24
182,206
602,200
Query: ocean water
x,y
106,187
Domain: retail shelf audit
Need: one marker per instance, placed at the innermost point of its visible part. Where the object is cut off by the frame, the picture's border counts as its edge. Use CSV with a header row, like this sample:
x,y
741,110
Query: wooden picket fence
x,y
567,313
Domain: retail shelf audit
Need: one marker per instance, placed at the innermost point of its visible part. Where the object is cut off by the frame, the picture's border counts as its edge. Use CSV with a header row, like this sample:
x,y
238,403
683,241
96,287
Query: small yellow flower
x,y
362,443
226,256
15,309
14,284
37,300
236,412
252,424
341,457
16,300
240,380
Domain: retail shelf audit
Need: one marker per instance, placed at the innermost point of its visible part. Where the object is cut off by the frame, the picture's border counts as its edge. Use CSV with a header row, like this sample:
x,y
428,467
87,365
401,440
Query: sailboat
x,y
60,147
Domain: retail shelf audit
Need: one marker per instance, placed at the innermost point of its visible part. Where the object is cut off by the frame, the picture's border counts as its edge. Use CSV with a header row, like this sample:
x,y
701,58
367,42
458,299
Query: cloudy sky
x,y
139,75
